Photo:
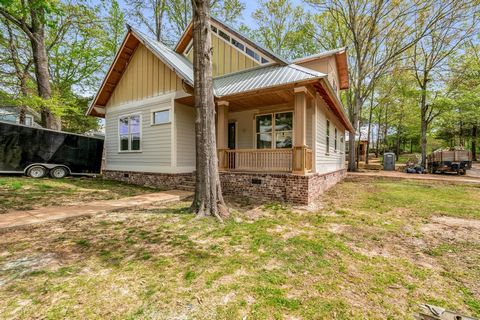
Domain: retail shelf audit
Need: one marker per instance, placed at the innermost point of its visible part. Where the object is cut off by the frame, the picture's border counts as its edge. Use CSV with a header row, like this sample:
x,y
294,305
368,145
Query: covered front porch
x,y
269,131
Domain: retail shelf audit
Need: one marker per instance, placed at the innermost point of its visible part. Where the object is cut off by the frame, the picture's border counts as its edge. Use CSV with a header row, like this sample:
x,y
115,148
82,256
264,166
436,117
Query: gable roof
x,y
258,78
188,35
178,63
341,60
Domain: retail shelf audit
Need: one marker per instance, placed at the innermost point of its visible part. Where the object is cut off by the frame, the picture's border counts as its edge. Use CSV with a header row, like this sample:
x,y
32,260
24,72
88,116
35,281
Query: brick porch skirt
x,y
254,187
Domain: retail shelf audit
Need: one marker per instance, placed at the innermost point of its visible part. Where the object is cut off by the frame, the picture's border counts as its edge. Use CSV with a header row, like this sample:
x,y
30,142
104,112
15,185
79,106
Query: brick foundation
x,y
256,187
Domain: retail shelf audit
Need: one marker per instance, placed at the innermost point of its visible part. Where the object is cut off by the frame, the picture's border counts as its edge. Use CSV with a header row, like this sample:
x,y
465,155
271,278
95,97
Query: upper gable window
x,y
224,35
237,44
252,54
214,29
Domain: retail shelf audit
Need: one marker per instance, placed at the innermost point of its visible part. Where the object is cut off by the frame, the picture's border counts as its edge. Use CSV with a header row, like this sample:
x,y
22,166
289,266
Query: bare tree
x,y
431,53
377,33
208,200
151,14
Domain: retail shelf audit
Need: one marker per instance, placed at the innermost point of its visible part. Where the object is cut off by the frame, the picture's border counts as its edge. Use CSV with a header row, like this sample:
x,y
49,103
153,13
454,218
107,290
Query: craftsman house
x,y
280,124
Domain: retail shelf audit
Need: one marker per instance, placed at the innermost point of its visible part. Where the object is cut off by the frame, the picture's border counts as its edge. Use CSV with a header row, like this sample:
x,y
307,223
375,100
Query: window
x,y
264,60
264,131
327,140
129,132
274,130
189,48
283,130
161,116
28,120
237,44
224,35
214,29
335,142
252,54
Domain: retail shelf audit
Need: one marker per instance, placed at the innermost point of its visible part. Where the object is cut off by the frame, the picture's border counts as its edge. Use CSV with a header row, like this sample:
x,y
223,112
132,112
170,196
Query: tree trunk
x,y
474,143
423,129
369,127
351,142
40,62
208,200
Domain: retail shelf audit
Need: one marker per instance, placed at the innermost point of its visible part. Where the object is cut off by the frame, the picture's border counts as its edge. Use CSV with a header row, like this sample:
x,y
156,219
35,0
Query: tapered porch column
x,y
300,130
222,124
222,132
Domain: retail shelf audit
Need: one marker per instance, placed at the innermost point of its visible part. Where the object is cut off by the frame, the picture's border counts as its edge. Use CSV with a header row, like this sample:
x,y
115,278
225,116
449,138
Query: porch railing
x,y
264,160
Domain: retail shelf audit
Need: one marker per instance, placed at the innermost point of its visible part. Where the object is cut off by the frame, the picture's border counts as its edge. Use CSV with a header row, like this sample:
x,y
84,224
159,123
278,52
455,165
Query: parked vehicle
x,y
458,161
37,152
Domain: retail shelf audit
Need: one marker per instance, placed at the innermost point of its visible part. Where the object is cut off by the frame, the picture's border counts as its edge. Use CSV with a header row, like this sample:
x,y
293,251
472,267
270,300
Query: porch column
x,y
222,133
222,124
299,130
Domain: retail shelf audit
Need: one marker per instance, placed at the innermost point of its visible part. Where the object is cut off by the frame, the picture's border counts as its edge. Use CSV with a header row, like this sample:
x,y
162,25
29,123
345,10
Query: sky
x,y
250,7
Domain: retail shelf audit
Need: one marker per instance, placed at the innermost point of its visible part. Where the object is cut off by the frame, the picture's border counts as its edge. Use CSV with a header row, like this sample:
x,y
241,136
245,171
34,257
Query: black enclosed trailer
x,y
37,152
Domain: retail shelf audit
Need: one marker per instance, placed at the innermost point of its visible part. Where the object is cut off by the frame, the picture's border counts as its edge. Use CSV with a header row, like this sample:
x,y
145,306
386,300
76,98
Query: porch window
x,y
129,132
274,130
327,140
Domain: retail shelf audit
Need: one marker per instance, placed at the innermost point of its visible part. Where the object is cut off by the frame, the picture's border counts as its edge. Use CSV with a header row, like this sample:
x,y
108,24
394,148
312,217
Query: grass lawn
x,y
373,249
23,193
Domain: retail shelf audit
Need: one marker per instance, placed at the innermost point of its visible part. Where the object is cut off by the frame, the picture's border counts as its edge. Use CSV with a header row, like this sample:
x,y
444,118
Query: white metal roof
x,y
262,77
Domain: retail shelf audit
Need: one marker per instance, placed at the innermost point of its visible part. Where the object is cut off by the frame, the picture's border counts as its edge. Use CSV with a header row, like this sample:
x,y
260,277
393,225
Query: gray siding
x,y
185,135
155,154
328,160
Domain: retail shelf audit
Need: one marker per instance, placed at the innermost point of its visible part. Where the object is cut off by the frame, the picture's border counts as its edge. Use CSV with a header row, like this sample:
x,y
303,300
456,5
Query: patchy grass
x,y
23,193
361,256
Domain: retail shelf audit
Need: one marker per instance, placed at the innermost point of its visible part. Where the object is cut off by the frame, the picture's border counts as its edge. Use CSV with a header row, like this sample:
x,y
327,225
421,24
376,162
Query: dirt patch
x,y
12,269
452,229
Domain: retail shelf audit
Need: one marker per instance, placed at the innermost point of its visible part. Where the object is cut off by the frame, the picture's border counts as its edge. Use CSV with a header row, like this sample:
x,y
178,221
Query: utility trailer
x,y
37,152
458,161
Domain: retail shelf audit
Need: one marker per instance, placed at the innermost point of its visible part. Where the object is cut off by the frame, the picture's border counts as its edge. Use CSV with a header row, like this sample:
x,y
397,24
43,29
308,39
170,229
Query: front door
x,y
232,131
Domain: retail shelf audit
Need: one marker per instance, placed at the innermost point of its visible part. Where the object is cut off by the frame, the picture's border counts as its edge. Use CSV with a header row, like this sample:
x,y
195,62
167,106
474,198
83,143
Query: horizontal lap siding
x,y
185,135
155,142
245,129
334,160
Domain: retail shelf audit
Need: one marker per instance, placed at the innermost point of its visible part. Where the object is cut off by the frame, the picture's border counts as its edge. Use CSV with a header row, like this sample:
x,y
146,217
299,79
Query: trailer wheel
x,y
58,172
37,172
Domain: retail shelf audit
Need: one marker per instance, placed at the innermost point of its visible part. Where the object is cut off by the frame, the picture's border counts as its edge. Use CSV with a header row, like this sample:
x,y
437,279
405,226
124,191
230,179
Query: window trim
x,y
152,116
273,132
129,140
327,138
335,141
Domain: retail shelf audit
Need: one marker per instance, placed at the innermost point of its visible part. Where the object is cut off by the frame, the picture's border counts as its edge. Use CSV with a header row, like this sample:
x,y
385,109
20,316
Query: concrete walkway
x,y
21,218
414,176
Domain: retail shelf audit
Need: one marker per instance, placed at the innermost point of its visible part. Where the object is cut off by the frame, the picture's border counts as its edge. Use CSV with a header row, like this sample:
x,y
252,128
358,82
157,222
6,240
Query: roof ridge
x,y
320,54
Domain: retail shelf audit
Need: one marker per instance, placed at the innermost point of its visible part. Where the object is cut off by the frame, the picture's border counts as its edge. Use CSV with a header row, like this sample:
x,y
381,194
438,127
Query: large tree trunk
x,y
474,142
40,62
208,200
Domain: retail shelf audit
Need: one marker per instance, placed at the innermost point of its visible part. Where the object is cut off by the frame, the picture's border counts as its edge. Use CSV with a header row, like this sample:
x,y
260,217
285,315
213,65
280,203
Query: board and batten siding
x,y
146,76
185,137
328,160
226,58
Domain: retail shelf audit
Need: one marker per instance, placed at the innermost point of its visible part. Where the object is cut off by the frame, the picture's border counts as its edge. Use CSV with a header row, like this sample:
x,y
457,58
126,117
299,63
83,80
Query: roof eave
x,y
338,105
